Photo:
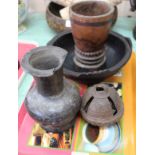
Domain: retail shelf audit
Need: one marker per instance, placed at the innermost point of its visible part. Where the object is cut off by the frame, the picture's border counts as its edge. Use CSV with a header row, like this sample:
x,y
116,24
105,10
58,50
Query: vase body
x,y
52,100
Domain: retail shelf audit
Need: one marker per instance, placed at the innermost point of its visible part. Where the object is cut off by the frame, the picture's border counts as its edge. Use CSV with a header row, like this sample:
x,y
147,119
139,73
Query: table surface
x,y
38,32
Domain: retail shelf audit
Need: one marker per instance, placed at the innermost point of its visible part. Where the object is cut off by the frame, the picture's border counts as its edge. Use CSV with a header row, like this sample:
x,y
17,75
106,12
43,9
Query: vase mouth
x,y
43,61
91,9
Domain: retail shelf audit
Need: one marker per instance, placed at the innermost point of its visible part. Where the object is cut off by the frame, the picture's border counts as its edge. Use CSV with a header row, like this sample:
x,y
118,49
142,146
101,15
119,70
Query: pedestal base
x,y
89,60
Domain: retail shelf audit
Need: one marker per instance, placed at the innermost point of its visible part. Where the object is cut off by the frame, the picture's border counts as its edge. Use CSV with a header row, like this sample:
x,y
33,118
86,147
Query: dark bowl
x,y
118,53
53,17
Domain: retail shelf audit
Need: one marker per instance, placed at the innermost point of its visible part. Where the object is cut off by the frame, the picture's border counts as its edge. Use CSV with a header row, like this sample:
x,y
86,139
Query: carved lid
x,y
101,105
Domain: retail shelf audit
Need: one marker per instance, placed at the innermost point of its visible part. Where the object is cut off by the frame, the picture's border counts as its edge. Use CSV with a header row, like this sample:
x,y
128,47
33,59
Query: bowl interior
x,y
55,8
92,132
115,52
117,55
90,8
43,60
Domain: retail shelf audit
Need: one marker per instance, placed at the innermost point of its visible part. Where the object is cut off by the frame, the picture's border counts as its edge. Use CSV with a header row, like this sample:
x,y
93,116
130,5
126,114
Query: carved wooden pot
x,y
91,22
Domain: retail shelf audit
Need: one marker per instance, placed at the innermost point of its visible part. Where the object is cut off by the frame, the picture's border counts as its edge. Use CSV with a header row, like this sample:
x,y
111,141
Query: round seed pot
x,y
53,17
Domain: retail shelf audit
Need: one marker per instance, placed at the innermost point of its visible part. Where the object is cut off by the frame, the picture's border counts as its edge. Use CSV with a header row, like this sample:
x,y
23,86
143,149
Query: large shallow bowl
x,y
118,53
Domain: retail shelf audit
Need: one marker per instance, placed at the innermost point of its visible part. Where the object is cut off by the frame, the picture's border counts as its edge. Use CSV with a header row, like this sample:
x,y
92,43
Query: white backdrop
x,y
40,6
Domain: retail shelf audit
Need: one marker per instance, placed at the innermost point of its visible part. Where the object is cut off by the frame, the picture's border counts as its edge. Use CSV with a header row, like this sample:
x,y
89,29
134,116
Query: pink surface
x,y
22,49
21,115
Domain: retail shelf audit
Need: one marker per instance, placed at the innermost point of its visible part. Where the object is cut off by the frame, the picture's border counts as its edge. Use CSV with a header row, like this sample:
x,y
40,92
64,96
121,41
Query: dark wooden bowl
x,y
53,17
118,54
